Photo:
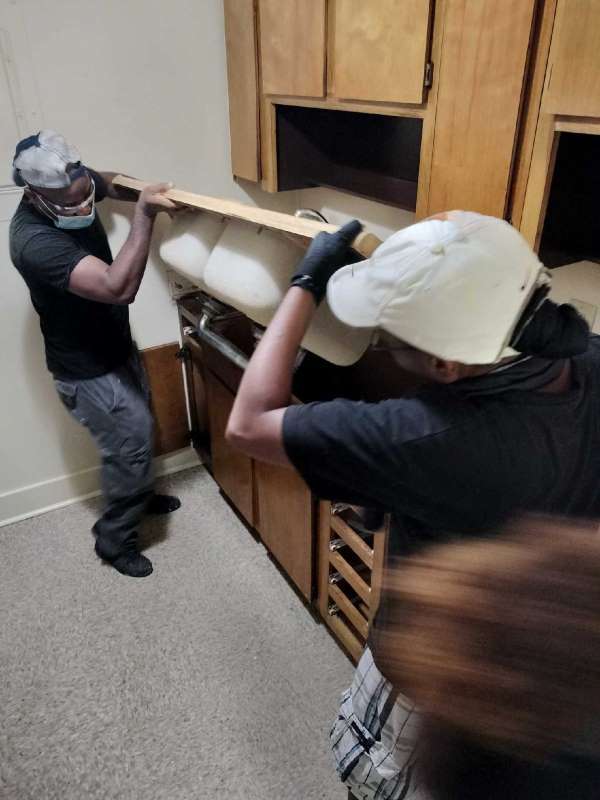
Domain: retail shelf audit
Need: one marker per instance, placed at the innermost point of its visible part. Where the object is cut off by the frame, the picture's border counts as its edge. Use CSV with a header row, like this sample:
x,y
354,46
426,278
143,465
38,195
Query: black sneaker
x,y
131,562
163,504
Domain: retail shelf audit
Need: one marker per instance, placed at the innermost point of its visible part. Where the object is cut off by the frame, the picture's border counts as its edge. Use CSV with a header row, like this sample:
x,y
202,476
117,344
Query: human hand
x,y
152,199
326,254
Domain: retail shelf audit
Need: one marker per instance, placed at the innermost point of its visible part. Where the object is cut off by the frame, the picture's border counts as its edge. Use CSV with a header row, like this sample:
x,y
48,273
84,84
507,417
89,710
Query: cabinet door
x,y
380,49
484,54
284,521
242,68
292,47
231,469
573,74
165,378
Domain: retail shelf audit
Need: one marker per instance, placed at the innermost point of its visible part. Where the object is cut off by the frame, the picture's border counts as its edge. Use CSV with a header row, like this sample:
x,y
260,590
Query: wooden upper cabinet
x,y
242,69
379,49
573,74
481,79
292,47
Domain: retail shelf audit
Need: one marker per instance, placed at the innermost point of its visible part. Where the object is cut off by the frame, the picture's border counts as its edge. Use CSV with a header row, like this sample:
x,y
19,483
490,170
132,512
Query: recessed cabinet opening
x,y
372,155
570,228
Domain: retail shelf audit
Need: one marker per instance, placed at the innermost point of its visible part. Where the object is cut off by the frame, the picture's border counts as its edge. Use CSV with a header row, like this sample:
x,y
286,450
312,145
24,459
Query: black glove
x,y
326,254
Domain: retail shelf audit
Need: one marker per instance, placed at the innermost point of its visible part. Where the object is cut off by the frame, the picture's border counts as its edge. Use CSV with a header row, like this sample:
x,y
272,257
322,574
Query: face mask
x,y
76,222
70,222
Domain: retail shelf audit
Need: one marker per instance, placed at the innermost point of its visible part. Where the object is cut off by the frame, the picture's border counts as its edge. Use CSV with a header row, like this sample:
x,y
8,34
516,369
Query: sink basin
x,y
188,243
249,268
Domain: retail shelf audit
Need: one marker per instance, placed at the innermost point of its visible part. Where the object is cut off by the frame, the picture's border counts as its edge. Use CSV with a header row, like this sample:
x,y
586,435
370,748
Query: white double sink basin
x,y
249,268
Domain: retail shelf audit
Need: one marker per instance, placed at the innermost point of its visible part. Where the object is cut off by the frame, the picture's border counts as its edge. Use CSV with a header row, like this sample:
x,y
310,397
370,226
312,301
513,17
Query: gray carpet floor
x,y
208,679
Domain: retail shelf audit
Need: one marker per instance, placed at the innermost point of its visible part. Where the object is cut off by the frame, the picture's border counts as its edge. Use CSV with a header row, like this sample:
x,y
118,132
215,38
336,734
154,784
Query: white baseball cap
x,y
455,288
47,160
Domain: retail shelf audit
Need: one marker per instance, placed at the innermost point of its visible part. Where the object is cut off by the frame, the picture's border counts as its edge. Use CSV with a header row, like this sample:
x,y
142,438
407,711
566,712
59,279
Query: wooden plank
x,y
531,107
231,469
242,79
292,47
365,243
566,124
334,104
165,376
380,547
428,131
380,49
484,53
350,611
540,179
268,145
345,637
350,574
353,540
573,82
284,521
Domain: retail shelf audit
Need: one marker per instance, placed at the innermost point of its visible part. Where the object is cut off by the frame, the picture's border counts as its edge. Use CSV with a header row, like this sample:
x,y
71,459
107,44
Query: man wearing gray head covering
x,y
81,294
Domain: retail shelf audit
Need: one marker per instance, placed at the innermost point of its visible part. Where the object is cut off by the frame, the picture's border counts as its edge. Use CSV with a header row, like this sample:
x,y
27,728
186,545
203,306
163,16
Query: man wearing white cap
x,y
60,248
508,422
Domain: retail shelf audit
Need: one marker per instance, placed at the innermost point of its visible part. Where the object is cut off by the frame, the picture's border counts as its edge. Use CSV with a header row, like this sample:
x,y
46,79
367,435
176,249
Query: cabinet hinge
x,y
428,74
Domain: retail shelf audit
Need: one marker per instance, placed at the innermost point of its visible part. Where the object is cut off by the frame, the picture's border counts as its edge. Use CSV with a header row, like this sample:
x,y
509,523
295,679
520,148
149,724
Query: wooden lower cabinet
x,y
284,520
275,501
231,469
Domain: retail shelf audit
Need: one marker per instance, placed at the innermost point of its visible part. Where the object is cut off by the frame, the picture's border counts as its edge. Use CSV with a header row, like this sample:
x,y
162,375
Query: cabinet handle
x,y
221,344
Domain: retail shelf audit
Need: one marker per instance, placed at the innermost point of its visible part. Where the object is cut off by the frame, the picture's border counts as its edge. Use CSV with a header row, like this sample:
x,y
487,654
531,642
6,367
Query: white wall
x,y
140,87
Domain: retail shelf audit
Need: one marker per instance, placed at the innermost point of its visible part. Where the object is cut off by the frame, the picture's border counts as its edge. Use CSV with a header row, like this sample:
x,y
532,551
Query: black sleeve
x,y
48,259
348,451
100,184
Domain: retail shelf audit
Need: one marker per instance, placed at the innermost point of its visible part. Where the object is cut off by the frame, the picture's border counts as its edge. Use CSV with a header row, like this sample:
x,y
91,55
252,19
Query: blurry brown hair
x,y
499,640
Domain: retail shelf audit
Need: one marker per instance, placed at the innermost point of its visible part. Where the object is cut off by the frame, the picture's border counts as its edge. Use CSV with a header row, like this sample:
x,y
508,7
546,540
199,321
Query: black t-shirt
x,y
459,459
83,338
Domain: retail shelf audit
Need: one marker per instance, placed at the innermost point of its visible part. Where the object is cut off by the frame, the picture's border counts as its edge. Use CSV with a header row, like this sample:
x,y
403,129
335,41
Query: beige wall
x,y
140,86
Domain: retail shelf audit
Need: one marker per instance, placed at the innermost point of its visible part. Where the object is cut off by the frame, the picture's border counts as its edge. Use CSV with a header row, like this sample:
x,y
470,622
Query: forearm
x,y
125,273
267,382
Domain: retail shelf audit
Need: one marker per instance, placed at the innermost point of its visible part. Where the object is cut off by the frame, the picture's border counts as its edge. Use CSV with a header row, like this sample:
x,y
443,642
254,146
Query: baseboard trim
x,y
38,498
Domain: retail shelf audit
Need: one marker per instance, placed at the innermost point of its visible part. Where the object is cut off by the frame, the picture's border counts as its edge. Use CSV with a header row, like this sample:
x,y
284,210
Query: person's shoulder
x,y
433,412
25,226
401,420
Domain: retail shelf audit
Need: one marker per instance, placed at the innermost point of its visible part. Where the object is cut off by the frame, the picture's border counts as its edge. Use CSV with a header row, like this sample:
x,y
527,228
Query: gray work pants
x,y
115,409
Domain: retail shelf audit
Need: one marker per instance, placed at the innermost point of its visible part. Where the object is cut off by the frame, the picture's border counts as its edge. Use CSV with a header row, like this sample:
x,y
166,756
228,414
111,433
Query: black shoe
x,y
131,562
163,504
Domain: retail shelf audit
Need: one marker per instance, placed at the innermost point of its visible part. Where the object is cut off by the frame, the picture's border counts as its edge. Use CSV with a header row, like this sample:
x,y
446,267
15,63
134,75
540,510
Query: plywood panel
x,y
284,521
165,375
484,54
573,82
242,69
292,47
380,49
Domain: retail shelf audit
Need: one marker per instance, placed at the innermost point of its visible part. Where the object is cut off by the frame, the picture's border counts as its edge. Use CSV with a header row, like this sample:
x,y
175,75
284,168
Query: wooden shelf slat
x,y
350,610
353,578
353,540
345,636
